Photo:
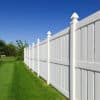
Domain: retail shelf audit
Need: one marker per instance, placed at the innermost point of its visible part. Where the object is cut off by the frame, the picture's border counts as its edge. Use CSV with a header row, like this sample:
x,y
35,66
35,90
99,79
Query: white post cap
x,y
38,40
33,44
74,16
49,34
29,46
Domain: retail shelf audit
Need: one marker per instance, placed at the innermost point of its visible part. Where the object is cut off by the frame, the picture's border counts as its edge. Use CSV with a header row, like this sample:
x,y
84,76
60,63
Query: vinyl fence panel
x,y
70,59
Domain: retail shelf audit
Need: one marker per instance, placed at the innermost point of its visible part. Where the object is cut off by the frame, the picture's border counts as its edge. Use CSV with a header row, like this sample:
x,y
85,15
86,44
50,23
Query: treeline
x,y
11,49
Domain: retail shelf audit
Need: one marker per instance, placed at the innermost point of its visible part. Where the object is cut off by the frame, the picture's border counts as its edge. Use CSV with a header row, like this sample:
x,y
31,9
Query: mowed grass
x,y
17,82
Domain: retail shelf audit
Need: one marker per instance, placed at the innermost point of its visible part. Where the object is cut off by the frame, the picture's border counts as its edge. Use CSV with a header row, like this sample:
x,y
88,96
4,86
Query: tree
x,y
2,47
11,50
20,49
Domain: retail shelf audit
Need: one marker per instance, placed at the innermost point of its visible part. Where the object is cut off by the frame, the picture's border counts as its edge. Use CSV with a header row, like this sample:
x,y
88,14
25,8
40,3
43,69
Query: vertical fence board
x,y
78,46
84,85
84,44
97,86
97,40
78,84
90,85
91,43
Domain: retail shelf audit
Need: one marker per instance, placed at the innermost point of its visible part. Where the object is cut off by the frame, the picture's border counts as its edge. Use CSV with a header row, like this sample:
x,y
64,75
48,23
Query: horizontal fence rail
x,y
70,59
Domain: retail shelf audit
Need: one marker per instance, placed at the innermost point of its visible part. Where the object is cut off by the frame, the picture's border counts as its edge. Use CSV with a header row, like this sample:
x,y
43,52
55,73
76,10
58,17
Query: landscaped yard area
x,y
19,83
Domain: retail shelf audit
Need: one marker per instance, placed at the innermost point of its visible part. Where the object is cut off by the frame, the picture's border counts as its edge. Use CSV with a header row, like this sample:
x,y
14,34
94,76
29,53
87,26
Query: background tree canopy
x,y
13,49
20,49
10,50
2,47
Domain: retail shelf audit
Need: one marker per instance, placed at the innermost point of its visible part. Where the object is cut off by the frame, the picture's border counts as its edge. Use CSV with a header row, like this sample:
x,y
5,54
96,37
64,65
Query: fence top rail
x,y
60,34
43,42
88,20
35,45
57,35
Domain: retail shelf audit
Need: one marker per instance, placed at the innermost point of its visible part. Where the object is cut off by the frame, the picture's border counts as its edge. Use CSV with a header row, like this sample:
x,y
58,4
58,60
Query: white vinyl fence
x,y
70,59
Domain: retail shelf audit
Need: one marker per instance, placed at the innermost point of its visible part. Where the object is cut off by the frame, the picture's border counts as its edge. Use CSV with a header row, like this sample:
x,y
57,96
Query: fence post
x,y
29,56
33,56
48,41
38,58
73,26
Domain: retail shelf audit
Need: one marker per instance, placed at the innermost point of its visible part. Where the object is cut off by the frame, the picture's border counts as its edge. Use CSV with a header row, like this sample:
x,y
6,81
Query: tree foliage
x,y
2,47
20,49
12,49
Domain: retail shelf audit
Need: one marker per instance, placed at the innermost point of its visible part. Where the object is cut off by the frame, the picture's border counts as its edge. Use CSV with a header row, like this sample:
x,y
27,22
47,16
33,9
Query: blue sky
x,y
30,19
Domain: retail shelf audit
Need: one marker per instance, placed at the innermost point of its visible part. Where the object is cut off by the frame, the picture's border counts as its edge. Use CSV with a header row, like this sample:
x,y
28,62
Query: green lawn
x,y
18,83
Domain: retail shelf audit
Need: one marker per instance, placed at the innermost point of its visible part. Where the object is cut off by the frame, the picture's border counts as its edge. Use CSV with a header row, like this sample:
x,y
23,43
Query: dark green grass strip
x,y
6,76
